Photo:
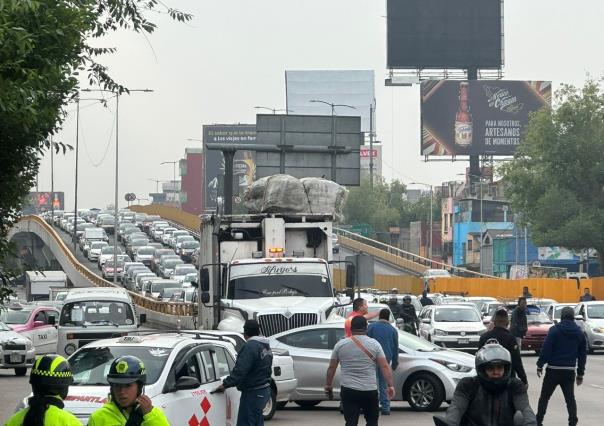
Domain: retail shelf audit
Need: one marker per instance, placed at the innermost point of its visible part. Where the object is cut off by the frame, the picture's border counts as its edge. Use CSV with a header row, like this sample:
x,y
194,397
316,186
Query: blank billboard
x,y
445,33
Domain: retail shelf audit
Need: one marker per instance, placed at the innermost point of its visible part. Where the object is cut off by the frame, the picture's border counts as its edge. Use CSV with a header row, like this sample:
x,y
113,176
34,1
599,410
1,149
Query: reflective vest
x,y
54,416
110,415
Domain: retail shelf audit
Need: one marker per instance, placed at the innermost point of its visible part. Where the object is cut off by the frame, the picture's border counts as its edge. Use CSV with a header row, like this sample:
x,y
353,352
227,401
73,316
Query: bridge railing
x,y
398,257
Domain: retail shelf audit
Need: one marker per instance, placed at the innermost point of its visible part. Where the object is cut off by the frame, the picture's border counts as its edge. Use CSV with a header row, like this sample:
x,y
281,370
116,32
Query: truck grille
x,y
14,347
276,323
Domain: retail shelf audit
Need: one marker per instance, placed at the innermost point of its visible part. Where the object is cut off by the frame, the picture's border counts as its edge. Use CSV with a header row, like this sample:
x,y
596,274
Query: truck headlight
x,y
438,332
453,366
70,348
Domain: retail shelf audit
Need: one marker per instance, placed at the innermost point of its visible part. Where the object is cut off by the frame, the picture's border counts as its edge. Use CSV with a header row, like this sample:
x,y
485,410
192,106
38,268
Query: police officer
x,y
50,378
127,405
408,314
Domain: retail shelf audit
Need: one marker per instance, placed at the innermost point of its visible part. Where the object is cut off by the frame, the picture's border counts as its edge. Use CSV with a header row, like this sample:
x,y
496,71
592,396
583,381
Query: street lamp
x,y
431,214
117,121
157,182
173,173
332,105
274,110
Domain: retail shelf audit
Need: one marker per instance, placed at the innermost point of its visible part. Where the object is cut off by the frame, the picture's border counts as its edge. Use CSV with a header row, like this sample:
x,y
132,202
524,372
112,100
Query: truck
x,y
271,267
38,283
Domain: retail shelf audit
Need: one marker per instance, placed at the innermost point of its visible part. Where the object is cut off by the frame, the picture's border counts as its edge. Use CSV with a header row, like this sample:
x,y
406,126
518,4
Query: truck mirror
x,y
351,276
142,318
204,280
205,297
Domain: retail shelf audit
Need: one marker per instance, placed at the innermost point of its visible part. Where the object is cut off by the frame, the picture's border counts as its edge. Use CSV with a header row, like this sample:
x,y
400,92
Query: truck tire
x,y
271,406
307,404
21,371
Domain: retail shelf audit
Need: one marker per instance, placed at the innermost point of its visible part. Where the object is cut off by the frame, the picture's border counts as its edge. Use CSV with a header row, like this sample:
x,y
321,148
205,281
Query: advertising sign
x,y
377,159
244,166
482,117
39,202
444,34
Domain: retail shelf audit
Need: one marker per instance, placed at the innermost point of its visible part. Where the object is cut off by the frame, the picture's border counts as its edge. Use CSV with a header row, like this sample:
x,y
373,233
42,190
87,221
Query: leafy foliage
x,y
556,180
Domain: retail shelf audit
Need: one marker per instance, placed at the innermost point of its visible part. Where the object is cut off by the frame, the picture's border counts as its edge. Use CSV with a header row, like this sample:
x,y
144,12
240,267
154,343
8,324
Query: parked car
x,y
590,317
452,326
554,310
426,377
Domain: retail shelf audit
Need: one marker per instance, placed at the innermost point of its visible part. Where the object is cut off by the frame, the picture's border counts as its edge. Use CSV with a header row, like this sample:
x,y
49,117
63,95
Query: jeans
x,y
251,404
566,380
354,400
383,389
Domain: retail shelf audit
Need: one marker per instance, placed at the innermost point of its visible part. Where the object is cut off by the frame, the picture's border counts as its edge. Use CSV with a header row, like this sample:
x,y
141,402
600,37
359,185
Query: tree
x,y
556,179
44,45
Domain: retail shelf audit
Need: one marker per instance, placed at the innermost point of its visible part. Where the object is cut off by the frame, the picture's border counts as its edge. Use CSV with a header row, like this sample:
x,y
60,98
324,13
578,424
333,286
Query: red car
x,y
538,326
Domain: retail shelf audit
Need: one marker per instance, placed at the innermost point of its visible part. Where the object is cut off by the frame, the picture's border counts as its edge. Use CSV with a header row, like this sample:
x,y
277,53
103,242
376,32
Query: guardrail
x,y
168,308
401,258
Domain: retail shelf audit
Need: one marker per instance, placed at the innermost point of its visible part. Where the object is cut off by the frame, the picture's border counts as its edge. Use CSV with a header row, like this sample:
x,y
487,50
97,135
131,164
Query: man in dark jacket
x,y
502,335
409,316
587,296
251,375
387,336
564,349
425,300
519,324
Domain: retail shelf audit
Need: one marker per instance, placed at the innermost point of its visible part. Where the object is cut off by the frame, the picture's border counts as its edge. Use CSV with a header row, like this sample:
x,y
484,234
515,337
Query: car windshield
x,y
146,251
184,269
190,278
171,263
537,318
595,311
96,313
190,244
456,315
99,245
257,280
409,341
163,252
110,264
90,366
158,287
111,250
11,316
4,327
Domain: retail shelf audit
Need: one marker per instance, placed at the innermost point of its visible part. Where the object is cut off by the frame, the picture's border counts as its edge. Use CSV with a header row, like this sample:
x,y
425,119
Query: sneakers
x,y
385,412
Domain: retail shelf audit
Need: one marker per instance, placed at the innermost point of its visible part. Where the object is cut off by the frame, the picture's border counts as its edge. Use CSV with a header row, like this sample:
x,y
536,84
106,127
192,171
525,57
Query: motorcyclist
x,y
50,378
394,306
409,316
127,404
492,397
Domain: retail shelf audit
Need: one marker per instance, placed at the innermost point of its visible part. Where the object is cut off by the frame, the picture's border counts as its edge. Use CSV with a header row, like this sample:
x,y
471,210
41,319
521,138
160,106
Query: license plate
x,y
463,341
16,358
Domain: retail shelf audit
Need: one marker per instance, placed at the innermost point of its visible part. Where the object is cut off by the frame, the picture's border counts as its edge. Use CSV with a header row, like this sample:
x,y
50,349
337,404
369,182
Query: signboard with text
x,y
39,202
481,117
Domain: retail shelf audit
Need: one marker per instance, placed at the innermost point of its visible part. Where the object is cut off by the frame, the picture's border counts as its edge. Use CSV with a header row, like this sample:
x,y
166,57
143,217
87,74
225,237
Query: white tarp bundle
x,y
287,194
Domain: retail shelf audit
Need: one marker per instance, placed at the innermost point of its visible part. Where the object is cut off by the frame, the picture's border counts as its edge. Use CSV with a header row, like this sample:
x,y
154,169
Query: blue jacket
x,y
564,346
253,366
387,335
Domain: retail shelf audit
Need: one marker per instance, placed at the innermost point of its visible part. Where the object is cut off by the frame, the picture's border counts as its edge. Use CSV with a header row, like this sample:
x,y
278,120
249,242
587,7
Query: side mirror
x,y
351,275
142,318
187,383
205,297
52,320
39,323
579,318
204,280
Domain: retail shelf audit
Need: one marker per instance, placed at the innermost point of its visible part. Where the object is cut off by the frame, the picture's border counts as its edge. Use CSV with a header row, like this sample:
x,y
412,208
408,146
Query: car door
x,y
51,331
311,352
224,361
40,334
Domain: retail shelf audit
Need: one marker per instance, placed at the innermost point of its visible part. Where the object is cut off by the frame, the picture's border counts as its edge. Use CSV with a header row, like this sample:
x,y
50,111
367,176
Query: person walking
x,y
251,375
425,300
492,397
519,326
357,357
49,378
387,337
359,308
587,296
564,349
127,405
502,335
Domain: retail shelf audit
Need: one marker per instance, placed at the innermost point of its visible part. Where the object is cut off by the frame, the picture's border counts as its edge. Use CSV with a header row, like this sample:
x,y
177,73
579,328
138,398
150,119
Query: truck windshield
x,y
96,313
253,281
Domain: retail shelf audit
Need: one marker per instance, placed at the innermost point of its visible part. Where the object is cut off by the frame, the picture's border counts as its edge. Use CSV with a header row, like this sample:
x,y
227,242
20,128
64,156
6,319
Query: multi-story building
x,y
191,178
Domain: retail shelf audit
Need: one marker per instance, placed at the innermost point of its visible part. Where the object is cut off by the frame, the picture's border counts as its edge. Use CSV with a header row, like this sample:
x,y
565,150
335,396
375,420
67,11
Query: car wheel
x,y
307,404
590,350
20,371
424,392
281,405
271,406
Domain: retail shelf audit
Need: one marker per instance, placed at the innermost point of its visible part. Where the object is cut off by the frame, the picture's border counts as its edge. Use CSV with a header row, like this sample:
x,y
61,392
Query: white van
x,y
93,313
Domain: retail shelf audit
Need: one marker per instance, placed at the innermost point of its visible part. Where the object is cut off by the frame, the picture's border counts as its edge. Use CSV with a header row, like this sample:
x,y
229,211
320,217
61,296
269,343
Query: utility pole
x,y
52,180
371,145
75,206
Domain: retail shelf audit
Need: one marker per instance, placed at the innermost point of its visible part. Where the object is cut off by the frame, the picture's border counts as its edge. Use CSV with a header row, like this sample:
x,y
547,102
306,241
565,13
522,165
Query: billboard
x,y
39,202
444,33
310,146
481,117
244,164
377,159
355,88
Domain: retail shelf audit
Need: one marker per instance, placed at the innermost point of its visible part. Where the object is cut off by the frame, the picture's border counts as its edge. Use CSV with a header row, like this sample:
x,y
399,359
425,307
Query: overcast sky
x,y
233,56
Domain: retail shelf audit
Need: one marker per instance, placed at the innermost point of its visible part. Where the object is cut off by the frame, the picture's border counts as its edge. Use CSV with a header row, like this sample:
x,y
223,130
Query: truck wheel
x,y
307,404
21,371
424,392
270,407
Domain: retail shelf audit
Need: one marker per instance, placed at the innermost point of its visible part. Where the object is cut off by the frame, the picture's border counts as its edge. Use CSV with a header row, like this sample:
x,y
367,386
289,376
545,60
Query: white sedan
x,y
16,351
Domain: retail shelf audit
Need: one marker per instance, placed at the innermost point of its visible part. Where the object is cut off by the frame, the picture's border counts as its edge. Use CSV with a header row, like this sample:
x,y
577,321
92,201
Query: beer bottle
x,y
463,119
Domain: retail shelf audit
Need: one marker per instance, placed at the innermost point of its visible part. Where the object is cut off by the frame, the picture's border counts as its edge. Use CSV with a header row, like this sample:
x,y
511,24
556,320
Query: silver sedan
x,y
426,376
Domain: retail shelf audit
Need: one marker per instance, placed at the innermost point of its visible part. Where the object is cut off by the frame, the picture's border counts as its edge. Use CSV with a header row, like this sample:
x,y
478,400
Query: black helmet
x,y
407,298
51,370
489,355
127,369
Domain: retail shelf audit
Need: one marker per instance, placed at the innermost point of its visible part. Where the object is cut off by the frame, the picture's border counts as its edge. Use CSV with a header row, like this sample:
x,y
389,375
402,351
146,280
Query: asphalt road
x,y
589,397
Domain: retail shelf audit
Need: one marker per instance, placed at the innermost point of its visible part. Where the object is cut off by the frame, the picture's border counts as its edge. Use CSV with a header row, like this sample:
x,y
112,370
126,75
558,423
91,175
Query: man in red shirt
x,y
359,308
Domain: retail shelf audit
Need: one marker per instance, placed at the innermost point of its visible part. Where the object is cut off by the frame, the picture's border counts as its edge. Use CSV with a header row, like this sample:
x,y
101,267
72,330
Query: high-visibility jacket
x,y
110,415
54,416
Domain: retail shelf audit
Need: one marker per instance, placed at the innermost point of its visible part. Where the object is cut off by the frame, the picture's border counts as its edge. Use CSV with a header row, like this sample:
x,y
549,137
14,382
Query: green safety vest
x,y
110,415
54,416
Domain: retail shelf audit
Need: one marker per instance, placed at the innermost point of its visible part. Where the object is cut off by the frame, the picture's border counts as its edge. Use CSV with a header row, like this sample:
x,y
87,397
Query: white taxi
x,y
16,352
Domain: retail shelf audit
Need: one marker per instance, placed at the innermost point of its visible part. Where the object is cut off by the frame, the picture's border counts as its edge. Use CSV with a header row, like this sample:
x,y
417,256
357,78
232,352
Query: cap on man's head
x,y
358,323
251,328
568,313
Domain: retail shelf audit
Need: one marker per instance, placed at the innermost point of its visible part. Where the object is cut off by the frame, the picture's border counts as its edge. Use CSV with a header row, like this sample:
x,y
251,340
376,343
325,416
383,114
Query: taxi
x,y
36,323
16,351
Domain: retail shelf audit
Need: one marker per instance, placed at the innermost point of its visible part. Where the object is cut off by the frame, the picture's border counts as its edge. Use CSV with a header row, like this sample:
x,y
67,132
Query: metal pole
x,y
333,143
174,180
75,207
228,181
117,121
431,225
371,145
526,248
52,180
480,226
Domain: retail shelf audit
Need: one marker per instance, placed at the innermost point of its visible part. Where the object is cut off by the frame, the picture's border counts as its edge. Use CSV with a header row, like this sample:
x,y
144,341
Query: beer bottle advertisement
x,y
480,117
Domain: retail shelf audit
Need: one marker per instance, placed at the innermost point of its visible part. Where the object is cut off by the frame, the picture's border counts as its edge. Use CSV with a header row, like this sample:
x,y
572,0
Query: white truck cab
x,y
93,313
